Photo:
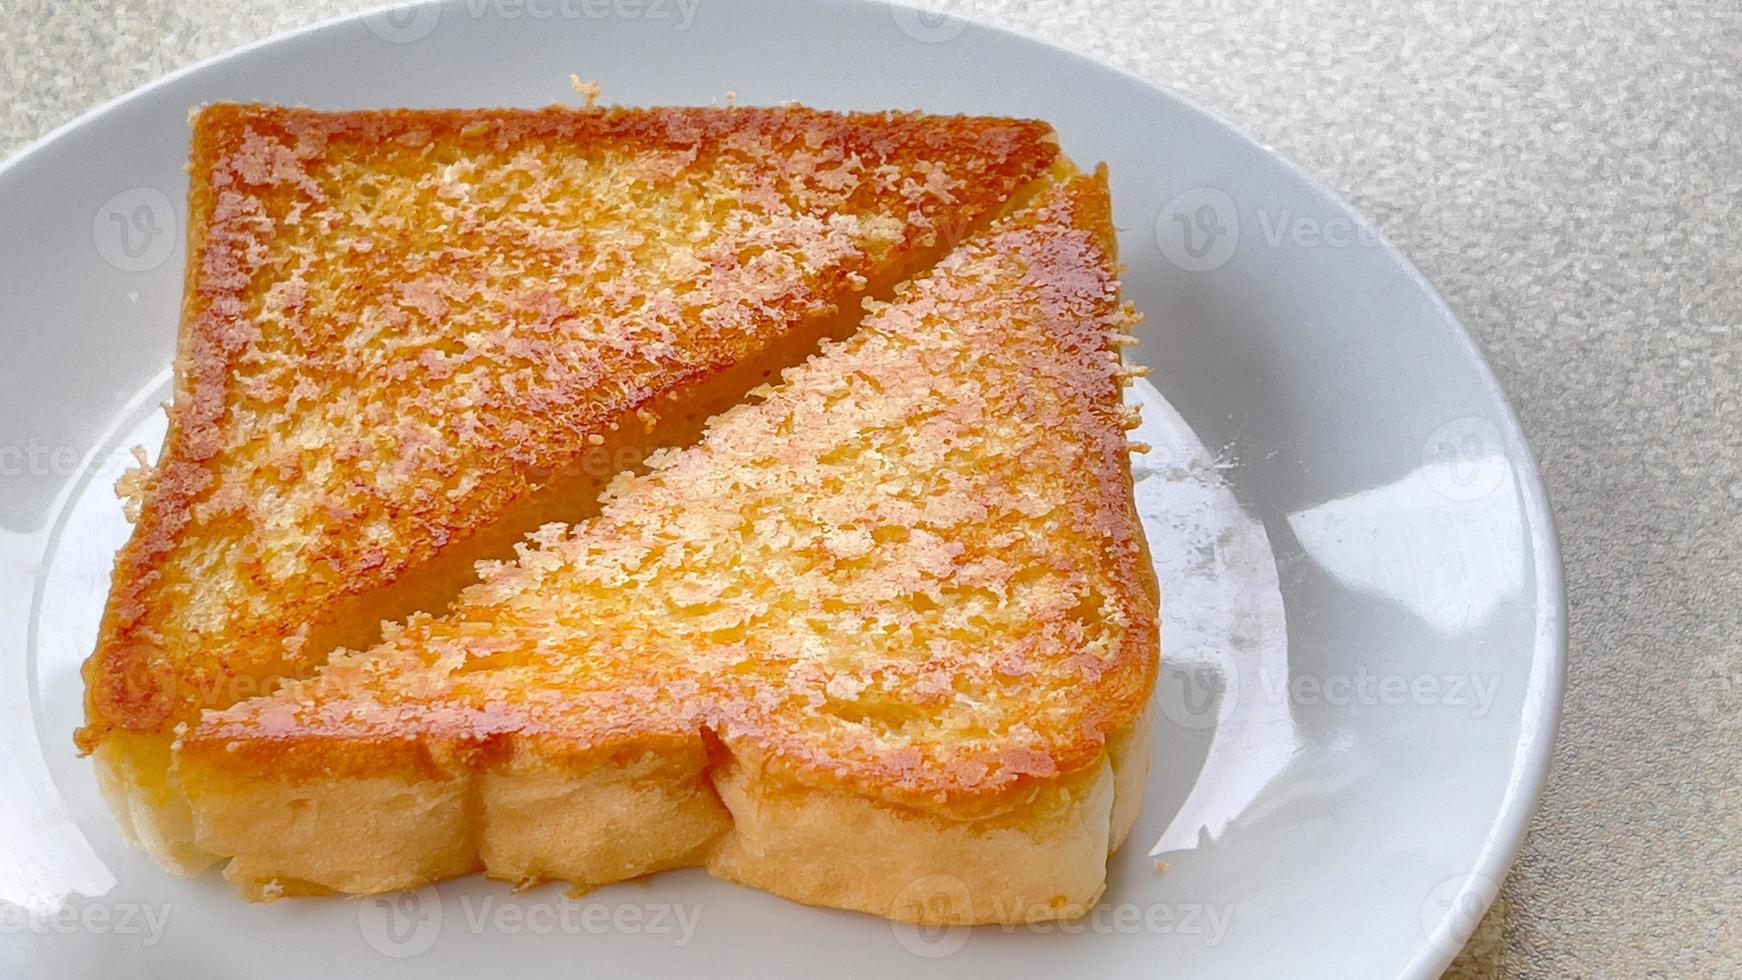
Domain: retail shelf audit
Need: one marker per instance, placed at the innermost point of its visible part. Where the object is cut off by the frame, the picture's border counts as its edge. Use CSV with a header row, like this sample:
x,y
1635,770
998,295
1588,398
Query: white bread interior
x,y
1044,860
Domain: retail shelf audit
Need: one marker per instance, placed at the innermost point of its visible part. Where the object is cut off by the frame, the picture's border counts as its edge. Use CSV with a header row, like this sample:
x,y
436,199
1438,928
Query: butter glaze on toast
x,y
411,337
882,640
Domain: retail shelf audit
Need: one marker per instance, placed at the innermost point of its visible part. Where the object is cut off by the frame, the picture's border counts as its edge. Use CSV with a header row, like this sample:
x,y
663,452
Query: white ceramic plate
x,y
1364,638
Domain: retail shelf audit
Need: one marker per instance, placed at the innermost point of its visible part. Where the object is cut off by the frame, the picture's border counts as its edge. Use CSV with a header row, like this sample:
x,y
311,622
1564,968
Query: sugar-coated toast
x,y
411,337
882,640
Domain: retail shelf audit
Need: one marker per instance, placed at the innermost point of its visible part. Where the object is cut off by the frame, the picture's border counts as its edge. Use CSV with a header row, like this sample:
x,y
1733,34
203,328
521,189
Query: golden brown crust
x,y
912,573
343,267
880,641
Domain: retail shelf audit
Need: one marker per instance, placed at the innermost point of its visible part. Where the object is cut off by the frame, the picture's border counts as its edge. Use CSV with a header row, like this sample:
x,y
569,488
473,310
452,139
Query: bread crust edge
x,y
526,823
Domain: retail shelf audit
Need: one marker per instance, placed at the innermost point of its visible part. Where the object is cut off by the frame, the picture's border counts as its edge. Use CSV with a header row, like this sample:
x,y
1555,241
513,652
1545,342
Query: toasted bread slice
x,y
411,337
882,640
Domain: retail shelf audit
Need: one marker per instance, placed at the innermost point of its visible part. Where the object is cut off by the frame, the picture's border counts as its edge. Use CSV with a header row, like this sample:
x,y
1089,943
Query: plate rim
x,y
1534,748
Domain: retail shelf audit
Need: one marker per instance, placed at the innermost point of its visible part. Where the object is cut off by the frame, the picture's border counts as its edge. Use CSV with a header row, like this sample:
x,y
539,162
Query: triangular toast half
x,y
882,640
412,337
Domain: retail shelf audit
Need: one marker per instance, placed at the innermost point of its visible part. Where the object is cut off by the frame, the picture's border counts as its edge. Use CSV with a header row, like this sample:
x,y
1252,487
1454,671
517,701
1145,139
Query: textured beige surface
x,y
1570,177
